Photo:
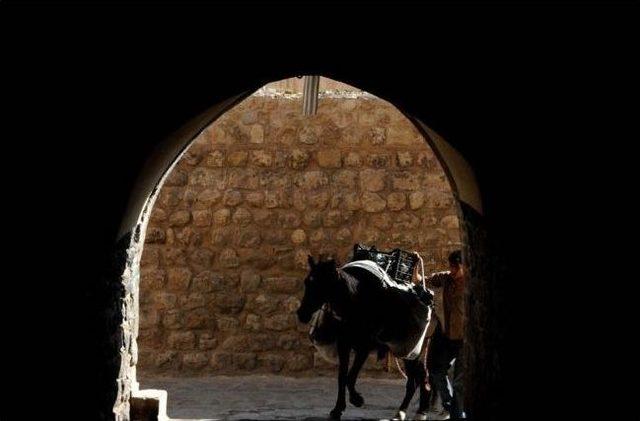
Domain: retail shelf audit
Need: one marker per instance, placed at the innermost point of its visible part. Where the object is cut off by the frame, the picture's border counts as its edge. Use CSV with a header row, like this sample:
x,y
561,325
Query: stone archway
x,y
326,159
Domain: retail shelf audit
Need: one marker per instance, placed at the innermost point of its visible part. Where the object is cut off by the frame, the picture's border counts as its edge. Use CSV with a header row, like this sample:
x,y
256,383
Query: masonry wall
x,y
259,190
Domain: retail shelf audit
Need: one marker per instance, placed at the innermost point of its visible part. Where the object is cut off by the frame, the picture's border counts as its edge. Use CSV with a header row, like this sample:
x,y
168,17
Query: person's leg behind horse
x,y
438,363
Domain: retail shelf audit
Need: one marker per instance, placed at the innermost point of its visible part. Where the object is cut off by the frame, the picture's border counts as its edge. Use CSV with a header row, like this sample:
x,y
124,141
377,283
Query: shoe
x,y
400,416
441,414
420,416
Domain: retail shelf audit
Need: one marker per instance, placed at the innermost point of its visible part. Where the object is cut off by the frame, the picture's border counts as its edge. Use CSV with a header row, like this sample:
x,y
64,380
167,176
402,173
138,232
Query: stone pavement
x,y
272,397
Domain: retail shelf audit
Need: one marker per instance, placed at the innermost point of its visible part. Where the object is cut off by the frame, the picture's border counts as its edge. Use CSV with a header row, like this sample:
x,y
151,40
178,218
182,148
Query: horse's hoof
x,y
421,416
400,416
335,414
356,399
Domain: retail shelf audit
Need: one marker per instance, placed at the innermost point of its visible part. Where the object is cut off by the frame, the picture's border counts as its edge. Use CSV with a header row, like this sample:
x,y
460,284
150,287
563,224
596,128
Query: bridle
x,y
327,307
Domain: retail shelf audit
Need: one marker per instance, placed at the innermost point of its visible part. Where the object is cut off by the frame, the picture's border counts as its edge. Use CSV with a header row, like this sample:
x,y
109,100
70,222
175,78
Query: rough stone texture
x,y
486,318
260,189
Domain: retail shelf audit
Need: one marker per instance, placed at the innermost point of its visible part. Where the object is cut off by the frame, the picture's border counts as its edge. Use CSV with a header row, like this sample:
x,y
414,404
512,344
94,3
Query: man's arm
x,y
435,280
438,279
417,278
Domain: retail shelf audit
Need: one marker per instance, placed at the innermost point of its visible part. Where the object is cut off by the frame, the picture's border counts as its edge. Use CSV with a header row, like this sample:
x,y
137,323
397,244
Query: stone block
x,y
244,360
281,284
183,341
232,198
404,159
249,281
416,200
345,179
227,303
273,362
405,180
396,201
242,217
215,159
201,218
256,134
372,202
312,180
372,180
197,318
299,362
194,360
299,159
254,199
329,158
298,237
237,158
227,323
352,159
179,218
261,158
206,198
178,279
377,160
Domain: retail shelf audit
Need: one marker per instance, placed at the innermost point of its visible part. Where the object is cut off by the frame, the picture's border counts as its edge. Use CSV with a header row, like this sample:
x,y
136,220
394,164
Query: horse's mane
x,y
350,281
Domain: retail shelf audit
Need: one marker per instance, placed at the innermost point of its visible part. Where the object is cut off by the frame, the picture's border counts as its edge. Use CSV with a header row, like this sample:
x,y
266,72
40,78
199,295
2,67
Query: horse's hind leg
x,y
354,397
410,390
421,381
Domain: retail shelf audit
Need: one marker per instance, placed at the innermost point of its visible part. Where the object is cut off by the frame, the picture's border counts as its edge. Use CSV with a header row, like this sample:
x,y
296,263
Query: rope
x,y
424,285
404,375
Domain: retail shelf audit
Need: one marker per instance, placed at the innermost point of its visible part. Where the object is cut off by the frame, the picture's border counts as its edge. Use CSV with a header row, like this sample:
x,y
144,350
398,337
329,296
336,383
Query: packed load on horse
x,y
368,304
398,264
406,305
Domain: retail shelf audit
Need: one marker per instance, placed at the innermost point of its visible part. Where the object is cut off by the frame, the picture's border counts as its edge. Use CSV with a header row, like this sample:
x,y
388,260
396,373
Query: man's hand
x,y
439,279
417,278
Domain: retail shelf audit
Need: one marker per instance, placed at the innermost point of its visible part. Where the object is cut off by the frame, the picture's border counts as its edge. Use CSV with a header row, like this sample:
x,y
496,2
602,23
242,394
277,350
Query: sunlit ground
x,y
272,397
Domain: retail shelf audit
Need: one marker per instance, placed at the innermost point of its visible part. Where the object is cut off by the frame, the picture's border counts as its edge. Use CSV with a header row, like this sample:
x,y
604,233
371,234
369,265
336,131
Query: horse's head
x,y
317,286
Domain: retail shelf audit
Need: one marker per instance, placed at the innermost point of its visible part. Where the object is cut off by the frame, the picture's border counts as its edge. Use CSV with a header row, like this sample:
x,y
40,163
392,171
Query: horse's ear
x,y
312,263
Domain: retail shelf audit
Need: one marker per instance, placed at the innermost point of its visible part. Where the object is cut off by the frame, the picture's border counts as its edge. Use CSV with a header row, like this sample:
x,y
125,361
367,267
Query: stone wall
x,y
259,190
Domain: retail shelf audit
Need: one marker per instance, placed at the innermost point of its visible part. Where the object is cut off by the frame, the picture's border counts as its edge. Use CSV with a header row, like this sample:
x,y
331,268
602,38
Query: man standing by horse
x,y
446,343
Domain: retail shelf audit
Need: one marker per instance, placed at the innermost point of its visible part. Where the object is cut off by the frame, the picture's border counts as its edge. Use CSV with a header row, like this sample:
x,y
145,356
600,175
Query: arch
x,y
160,165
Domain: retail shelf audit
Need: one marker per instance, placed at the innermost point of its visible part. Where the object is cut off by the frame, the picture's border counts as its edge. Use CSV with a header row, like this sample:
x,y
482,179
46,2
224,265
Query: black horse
x,y
367,316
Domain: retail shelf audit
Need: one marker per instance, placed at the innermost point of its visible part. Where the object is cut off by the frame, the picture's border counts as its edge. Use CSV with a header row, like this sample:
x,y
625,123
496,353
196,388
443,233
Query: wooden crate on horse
x,y
399,264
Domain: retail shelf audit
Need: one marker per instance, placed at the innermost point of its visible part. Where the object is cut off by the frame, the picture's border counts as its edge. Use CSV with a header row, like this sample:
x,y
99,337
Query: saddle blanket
x,y
375,269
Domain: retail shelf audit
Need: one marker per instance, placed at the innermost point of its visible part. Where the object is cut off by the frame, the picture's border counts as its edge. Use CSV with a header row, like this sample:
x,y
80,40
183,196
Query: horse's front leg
x,y
344,348
354,397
